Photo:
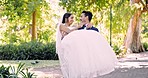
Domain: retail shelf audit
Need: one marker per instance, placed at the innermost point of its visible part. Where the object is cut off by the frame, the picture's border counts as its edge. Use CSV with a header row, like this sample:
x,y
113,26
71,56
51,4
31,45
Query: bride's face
x,y
71,19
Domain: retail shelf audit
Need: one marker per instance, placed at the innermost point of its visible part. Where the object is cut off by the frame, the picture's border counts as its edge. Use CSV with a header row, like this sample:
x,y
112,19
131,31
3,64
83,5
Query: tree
x,y
77,6
121,14
18,23
133,39
23,10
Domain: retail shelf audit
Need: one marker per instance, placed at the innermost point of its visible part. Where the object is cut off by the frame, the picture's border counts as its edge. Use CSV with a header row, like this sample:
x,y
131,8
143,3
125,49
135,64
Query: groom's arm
x,y
93,28
96,29
81,27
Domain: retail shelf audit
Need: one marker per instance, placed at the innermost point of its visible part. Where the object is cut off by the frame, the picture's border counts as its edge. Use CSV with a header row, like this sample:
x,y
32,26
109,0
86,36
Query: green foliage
x,y
77,6
121,14
145,45
15,72
117,49
21,8
120,51
27,74
145,25
33,50
18,20
145,31
4,72
12,72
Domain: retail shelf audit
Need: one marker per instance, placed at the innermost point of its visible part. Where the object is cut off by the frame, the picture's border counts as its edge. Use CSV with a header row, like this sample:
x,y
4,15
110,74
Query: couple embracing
x,y
83,52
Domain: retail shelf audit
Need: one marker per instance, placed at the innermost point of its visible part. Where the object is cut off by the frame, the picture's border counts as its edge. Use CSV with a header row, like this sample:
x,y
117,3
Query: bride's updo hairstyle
x,y
65,17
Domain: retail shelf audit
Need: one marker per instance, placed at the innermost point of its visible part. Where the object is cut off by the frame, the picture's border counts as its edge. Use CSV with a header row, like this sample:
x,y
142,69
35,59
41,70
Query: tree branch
x,y
145,5
145,9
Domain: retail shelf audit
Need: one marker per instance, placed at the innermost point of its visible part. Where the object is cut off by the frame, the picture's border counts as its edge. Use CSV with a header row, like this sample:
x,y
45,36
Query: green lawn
x,y
30,63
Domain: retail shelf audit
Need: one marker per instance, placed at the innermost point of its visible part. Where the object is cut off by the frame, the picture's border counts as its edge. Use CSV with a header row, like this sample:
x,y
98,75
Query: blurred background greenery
x,y
16,25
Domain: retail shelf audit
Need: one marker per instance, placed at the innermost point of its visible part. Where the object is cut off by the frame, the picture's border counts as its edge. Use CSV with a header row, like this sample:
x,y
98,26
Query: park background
x,y
28,30
28,27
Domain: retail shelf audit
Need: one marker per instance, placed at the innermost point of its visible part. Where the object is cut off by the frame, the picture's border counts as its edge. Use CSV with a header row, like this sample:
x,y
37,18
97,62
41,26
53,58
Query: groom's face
x,y
83,18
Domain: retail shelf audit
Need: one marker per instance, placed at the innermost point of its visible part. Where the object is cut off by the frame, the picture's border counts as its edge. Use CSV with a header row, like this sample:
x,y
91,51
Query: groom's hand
x,y
80,25
89,25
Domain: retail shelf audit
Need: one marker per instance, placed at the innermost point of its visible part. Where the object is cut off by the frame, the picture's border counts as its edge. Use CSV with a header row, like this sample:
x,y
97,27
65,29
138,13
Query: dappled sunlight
x,y
30,63
123,23
40,68
6,64
134,61
47,75
50,71
133,65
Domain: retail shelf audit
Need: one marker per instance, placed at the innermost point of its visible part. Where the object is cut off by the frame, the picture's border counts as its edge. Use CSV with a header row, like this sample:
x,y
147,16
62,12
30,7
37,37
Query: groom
x,y
85,18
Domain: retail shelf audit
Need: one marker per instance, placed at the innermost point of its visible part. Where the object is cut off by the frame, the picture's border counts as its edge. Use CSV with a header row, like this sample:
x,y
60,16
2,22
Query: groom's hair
x,y
89,14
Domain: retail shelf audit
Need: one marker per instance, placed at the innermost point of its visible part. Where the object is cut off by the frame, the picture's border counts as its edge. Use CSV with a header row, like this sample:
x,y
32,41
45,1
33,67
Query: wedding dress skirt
x,y
86,54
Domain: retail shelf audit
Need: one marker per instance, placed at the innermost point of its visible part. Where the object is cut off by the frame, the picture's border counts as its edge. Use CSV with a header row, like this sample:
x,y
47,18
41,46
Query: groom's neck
x,y
87,22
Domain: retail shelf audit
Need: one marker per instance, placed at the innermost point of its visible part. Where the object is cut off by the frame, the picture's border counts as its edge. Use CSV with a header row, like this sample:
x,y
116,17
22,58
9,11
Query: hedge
x,y
28,51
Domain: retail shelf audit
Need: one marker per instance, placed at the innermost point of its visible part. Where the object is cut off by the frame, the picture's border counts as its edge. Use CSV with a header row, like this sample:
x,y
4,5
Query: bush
x,y
145,45
4,72
28,51
12,72
117,50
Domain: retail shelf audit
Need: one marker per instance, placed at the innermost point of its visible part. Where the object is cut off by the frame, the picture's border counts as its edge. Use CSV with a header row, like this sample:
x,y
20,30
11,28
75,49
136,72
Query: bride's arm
x,y
67,30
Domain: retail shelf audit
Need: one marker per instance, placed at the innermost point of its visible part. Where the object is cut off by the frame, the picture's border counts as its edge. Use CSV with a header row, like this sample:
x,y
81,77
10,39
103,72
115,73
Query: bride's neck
x,y
67,24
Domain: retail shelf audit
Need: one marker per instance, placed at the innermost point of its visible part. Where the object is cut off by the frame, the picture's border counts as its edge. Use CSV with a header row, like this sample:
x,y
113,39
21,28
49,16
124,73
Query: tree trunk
x,y
132,41
34,25
134,1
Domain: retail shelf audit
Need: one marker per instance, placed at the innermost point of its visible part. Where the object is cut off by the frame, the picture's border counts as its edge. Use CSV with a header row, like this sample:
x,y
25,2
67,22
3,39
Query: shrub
x,y
33,50
145,45
4,72
12,72
117,49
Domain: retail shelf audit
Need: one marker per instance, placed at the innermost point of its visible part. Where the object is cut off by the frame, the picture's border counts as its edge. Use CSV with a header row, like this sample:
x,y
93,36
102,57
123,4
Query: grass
x,y
30,63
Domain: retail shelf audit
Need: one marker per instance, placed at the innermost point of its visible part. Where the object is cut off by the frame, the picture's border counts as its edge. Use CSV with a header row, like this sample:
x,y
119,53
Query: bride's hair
x,y
65,17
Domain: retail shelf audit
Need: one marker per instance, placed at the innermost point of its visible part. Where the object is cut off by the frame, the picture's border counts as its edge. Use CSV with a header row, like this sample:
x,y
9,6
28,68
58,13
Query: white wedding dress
x,y
85,54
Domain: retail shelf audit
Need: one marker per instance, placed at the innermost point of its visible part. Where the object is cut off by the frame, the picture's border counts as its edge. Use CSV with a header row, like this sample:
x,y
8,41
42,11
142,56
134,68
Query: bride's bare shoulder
x,y
61,24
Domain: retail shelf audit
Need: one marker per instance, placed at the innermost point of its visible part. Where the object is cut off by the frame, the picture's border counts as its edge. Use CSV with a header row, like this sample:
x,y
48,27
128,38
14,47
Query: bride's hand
x,y
80,25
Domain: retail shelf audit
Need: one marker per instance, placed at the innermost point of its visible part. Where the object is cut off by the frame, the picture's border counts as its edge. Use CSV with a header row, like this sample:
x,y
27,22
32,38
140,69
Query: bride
x,y
82,53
